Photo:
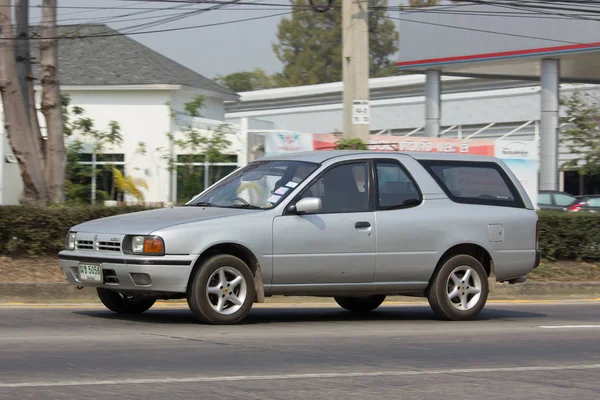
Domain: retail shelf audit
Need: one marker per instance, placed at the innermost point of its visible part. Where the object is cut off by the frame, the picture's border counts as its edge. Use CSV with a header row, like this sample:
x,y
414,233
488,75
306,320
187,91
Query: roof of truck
x,y
321,156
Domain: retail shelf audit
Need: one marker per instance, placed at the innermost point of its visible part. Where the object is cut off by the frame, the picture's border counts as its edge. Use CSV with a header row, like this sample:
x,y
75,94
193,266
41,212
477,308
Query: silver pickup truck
x,y
353,225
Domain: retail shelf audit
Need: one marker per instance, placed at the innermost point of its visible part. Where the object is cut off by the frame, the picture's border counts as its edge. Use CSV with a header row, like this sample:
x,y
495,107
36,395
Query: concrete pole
x,y
549,125
245,143
2,157
432,103
355,68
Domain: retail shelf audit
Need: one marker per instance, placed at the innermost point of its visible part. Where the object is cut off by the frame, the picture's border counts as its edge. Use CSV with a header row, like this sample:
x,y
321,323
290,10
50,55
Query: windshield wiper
x,y
201,204
245,206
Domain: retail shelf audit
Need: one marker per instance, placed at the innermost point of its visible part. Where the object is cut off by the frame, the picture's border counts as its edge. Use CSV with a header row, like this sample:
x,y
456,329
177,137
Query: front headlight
x,y
149,245
70,241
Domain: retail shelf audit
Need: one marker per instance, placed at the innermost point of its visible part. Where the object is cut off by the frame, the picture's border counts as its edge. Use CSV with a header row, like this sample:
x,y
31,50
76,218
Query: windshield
x,y
261,184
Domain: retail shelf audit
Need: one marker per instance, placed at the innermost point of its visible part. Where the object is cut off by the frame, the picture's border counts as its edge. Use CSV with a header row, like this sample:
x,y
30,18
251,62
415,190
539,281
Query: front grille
x,y
85,245
109,246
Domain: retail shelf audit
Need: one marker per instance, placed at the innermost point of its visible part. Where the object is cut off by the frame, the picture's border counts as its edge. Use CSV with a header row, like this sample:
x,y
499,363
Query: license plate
x,y
90,273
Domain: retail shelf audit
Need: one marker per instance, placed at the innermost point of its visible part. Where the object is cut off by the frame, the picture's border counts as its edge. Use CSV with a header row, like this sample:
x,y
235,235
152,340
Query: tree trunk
x,y
26,79
22,141
56,155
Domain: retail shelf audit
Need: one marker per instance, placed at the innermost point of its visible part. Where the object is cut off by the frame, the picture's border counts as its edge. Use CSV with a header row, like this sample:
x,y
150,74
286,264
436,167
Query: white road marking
x,y
204,379
568,326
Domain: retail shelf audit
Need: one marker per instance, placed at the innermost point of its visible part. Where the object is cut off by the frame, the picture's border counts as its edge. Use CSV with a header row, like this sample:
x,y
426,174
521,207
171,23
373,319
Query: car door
x,y
407,229
335,244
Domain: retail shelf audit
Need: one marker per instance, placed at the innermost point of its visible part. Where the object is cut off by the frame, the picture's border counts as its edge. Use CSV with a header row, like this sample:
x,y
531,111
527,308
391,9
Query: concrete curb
x,y
64,293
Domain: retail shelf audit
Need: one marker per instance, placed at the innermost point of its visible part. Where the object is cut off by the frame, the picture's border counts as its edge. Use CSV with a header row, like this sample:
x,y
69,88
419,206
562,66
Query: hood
x,y
145,222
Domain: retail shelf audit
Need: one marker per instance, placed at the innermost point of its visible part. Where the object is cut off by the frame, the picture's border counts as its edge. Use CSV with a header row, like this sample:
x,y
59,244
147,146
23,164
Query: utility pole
x,y
355,68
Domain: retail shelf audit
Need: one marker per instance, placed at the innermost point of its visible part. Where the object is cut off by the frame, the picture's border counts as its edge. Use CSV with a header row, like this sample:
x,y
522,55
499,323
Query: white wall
x,y
464,108
213,106
143,117
11,184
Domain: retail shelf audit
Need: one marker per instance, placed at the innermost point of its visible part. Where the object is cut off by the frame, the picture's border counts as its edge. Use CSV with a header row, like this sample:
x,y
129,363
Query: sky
x,y
210,51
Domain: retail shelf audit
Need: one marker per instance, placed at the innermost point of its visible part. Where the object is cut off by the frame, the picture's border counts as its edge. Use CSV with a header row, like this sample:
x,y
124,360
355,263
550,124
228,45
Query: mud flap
x,y
258,285
492,279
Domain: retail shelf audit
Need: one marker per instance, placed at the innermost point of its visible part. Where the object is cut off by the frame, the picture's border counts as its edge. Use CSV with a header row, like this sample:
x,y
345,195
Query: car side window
x,y
474,182
342,189
563,200
594,202
395,187
544,198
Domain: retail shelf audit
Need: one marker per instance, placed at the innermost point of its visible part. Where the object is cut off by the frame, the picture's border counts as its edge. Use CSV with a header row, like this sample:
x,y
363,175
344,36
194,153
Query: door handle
x,y
362,224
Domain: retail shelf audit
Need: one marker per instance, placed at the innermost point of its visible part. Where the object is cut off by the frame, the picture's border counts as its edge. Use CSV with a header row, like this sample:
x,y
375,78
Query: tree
x,y
247,80
78,176
23,57
351,144
310,44
198,148
56,157
23,141
582,135
42,162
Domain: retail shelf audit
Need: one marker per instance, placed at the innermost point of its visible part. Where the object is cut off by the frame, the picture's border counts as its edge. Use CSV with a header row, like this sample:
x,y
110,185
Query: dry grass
x,y
565,271
46,269
31,270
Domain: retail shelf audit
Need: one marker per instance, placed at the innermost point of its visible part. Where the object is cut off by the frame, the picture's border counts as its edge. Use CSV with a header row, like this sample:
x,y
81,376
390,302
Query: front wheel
x,y
459,290
124,304
360,304
222,290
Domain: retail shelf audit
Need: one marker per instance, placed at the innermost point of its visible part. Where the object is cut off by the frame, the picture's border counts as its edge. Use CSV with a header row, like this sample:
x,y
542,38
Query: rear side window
x,y
395,187
475,182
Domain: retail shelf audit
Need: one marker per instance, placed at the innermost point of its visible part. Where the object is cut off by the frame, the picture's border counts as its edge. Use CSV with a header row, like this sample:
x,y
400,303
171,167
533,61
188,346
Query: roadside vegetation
x,y
31,237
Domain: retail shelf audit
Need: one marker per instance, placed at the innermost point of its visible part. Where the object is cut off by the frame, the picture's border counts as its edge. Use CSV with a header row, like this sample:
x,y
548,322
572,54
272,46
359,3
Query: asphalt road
x,y
514,351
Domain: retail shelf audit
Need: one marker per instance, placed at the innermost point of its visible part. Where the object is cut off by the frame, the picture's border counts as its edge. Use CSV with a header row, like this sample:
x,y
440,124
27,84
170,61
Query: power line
x,y
169,29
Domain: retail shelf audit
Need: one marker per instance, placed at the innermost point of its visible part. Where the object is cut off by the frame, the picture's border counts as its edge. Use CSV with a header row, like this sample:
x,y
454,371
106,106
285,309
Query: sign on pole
x,y
360,112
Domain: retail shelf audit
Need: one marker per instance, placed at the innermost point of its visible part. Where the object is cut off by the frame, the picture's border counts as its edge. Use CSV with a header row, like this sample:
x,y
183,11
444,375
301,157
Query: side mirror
x,y
307,205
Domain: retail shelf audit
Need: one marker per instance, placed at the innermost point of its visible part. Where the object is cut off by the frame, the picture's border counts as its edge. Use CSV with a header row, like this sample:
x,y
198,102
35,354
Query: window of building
x,y
342,189
474,182
395,188
195,173
80,172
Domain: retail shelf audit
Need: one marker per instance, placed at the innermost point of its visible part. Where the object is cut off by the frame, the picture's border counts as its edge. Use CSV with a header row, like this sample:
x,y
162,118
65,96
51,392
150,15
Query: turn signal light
x,y
153,246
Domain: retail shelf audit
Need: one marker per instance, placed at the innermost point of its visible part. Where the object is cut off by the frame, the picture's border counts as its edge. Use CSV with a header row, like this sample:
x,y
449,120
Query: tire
x,y
360,304
208,287
120,304
449,289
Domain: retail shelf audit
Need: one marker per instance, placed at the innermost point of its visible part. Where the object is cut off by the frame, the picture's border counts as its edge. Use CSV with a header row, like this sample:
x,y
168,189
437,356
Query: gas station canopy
x,y
579,63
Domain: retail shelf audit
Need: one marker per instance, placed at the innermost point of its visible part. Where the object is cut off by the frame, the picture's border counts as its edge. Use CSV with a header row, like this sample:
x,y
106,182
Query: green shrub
x,y
34,231
569,236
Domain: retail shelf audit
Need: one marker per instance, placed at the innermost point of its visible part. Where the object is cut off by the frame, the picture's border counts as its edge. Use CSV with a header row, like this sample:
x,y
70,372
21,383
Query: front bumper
x,y
168,274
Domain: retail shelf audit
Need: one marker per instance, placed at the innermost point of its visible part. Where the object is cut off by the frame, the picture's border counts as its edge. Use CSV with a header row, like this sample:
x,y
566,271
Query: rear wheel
x,y
124,304
360,304
222,290
459,290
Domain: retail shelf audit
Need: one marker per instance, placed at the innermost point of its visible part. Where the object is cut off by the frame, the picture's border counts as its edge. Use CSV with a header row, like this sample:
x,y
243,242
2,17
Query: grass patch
x,y
565,271
46,270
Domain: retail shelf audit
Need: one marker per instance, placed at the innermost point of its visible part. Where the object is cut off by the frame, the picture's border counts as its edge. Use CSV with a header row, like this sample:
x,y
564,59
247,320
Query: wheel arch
x,y
471,249
236,250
